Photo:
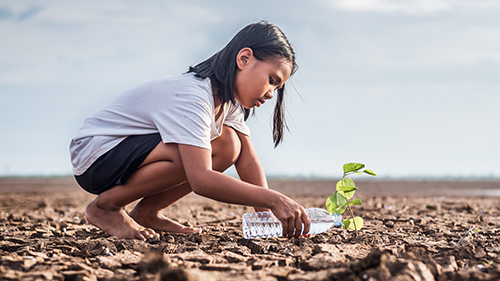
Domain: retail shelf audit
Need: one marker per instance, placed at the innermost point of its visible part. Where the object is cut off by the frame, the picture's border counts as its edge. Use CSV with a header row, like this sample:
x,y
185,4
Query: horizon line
x,y
311,177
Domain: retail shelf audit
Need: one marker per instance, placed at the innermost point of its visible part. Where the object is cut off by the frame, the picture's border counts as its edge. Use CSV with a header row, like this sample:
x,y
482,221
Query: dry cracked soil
x,y
414,230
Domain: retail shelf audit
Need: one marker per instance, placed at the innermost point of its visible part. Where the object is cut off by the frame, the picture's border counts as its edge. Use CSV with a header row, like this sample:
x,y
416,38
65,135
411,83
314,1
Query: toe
x,y
149,233
153,234
140,236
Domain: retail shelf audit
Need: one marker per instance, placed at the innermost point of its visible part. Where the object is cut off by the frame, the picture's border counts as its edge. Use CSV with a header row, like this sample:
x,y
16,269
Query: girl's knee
x,y
226,149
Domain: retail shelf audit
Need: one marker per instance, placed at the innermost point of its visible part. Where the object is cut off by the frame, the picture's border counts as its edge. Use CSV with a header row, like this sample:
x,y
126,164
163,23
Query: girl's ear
x,y
243,58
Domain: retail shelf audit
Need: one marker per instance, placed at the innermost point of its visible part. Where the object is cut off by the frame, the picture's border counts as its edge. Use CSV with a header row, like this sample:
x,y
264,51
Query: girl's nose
x,y
269,95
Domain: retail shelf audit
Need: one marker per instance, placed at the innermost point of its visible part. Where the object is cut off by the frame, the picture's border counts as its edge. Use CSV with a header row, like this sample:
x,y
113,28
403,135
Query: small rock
x,y
480,253
169,239
29,262
389,224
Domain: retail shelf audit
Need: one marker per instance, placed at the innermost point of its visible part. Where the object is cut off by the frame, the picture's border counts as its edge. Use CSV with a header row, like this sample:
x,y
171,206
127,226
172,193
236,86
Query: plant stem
x,y
349,207
353,220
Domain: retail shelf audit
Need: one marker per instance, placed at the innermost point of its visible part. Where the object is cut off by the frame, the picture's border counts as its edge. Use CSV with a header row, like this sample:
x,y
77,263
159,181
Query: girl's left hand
x,y
292,215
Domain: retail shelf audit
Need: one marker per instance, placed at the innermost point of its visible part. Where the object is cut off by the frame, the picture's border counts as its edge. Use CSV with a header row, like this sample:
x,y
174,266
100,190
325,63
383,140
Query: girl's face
x,y
255,81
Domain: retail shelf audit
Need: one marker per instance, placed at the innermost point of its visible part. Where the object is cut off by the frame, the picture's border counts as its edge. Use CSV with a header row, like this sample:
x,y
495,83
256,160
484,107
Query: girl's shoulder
x,y
182,80
174,86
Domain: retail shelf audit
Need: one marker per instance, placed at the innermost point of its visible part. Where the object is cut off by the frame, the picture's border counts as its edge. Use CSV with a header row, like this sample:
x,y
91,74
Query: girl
x,y
164,138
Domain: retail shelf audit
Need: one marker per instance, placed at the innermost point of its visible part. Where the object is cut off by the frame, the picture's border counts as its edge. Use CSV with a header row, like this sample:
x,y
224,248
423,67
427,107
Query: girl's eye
x,y
271,81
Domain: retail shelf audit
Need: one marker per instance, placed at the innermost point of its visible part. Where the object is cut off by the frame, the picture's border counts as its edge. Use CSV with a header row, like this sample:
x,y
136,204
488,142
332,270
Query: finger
x,y
284,231
298,226
307,223
291,227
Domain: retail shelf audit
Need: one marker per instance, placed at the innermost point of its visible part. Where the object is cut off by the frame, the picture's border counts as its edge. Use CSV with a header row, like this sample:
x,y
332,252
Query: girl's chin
x,y
244,105
248,107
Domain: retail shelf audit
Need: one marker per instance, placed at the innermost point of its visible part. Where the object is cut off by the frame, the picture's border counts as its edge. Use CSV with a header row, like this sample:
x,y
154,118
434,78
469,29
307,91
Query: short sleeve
x,y
187,119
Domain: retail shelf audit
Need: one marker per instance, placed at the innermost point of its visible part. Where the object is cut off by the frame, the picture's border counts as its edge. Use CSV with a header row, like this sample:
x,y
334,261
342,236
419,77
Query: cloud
x,y
19,14
29,12
411,7
5,13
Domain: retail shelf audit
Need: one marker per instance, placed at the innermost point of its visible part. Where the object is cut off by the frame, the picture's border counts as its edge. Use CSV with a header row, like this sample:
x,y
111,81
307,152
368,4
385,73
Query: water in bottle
x,y
265,224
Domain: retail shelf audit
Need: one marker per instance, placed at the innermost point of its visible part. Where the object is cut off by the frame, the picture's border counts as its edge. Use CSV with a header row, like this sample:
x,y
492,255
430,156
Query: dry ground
x,y
413,231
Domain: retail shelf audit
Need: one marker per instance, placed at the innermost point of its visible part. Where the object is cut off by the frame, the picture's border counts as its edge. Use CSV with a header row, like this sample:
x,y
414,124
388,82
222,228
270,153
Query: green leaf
x,y
354,202
370,172
346,223
343,206
358,221
340,200
336,200
344,184
352,167
347,189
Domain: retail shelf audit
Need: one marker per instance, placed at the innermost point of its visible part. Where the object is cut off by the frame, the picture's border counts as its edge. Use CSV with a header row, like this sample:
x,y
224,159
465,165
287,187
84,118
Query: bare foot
x,y
117,223
158,221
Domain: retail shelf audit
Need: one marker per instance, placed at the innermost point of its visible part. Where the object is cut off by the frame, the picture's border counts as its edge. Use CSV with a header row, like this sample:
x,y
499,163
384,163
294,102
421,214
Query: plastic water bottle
x,y
265,224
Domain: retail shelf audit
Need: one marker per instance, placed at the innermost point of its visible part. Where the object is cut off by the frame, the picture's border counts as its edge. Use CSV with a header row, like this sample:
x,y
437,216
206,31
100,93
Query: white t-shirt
x,y
180,108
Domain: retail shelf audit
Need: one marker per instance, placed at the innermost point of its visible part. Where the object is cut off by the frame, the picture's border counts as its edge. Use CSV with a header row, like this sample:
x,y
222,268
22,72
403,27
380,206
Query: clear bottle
x,y
265,224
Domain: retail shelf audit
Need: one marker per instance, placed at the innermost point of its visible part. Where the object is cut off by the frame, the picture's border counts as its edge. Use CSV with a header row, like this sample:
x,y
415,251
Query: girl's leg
x,y
106,211
225,152
148,211
159,180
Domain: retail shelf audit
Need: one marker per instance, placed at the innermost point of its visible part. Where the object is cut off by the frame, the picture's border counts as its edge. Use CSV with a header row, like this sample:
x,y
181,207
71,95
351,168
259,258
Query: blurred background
x,y
410,88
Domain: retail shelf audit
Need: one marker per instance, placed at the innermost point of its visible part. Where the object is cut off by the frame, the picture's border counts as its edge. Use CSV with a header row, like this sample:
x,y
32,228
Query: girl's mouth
x,y
260,102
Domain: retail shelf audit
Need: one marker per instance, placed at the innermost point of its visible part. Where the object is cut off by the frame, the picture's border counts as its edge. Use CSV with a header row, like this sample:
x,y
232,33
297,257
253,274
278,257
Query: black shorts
x,y
117,165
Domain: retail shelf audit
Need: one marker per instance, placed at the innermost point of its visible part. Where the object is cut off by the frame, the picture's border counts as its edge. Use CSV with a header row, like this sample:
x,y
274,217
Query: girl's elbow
x,y
201,182
198,186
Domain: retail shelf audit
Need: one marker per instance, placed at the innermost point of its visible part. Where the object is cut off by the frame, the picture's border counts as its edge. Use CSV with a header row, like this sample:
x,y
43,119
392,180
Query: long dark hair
x,y
267,41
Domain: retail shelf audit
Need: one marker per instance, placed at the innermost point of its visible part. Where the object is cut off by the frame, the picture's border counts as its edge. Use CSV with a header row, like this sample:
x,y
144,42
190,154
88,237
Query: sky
x,y
408,87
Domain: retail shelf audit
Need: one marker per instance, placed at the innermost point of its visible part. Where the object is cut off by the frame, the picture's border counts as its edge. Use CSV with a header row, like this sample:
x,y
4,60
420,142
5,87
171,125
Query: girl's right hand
x,y
293,217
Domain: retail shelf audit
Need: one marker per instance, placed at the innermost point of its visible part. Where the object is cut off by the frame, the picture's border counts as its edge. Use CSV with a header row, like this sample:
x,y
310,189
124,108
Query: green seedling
x,y
341,199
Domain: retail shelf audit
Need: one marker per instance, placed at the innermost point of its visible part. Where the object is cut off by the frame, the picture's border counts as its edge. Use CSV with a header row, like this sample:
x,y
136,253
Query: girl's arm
x,y
248,165
204,181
